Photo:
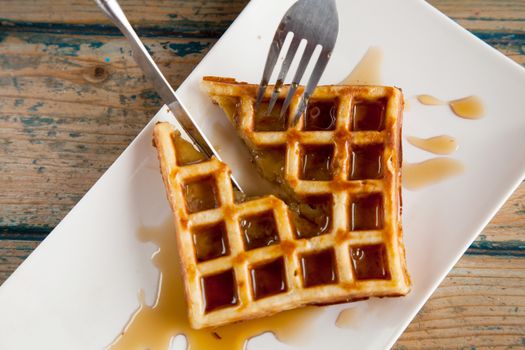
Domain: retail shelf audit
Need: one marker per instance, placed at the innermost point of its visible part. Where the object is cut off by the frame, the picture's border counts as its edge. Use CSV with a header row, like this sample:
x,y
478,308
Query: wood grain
x,y
166,13
480,305
66,112
72,98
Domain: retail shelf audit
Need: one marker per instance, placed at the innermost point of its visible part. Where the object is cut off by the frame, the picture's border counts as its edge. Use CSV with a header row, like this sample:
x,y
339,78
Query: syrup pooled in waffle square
x,y
339,241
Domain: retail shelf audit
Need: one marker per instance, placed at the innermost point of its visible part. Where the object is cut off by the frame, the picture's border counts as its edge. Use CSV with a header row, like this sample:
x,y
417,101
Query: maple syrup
x,y
368,116
367,163
219,290
186,153
268,279
320,116
346,318
429,172
430,100
264,121
369,262
367,213
312,216
201,195
153,327
441,145
319,268
271,163
259,231
210,242
368,70
317,163
470,107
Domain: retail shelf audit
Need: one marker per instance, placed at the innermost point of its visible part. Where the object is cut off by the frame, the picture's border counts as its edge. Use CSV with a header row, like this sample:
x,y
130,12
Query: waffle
x,y
339,241
343,160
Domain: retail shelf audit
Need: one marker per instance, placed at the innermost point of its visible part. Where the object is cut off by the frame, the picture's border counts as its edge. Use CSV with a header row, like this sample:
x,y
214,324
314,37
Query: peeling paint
x,y
185,49
178,27
63,45
15,83
511,248
151,98
36,106
35,121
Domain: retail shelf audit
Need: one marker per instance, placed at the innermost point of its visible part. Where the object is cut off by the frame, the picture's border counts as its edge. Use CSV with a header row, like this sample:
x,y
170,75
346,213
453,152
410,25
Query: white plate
x,y
79,287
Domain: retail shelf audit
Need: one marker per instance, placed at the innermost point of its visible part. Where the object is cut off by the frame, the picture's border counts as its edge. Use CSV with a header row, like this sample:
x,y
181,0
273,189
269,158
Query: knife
x,y
141,55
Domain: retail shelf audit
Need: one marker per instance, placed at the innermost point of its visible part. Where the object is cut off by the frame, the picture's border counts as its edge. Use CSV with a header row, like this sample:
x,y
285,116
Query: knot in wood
x,y
96,74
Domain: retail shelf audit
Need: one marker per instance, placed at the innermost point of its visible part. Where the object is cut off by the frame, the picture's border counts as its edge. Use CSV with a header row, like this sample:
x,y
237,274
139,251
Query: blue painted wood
x,y
505,249
178,28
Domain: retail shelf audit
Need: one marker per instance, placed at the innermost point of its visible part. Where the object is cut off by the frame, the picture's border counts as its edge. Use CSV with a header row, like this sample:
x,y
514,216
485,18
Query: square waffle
x,y
340,240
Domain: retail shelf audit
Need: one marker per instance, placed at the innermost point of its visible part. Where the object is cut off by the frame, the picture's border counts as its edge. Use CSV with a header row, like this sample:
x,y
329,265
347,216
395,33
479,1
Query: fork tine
x,y
307,55
292,50
319,68
271,60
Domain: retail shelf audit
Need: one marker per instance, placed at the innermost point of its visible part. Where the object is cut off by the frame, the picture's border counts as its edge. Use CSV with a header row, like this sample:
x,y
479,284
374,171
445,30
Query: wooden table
x,y
72,98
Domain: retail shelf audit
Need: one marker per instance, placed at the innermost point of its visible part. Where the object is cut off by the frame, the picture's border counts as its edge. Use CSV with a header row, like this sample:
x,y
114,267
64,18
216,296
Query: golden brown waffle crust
x,y
234,88
289,247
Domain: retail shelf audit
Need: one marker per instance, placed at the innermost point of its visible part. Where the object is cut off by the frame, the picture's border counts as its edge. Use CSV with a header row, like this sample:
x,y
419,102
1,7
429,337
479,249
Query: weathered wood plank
x,y
500,23
168,13
480,305
504,14
69,105
509,224
12,254
487,15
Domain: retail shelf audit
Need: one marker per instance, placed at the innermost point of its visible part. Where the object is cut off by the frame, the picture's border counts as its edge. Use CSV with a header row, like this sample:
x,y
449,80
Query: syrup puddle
x,y
441,145
470,107
368,70
429,172
153,327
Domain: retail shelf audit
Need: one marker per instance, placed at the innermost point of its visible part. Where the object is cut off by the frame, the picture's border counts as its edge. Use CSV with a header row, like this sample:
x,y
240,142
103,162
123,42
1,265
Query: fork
x,y
317,23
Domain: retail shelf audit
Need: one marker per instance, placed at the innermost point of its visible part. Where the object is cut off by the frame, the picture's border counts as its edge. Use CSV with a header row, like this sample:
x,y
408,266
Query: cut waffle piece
x,y
237,258
341,242
345,153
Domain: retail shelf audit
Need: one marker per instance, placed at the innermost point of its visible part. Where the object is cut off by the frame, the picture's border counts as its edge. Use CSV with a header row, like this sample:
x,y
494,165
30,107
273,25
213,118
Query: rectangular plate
x,y
79,288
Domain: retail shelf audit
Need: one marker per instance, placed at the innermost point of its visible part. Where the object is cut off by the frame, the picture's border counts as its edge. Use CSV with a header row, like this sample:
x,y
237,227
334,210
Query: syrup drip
x,y
441,145
470,107
430,100
153,327
347,318
368,70
419,175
